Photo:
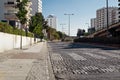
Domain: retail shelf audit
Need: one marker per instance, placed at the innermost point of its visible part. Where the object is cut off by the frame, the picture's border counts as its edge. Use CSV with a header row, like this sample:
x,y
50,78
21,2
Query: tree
x,y
36,25
53,34
38,32
45,25
35,20
80,32
22,11
22,15
61,35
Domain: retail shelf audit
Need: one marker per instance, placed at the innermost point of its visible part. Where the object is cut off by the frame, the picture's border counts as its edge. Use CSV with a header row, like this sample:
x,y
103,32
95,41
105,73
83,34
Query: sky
x,y
83,11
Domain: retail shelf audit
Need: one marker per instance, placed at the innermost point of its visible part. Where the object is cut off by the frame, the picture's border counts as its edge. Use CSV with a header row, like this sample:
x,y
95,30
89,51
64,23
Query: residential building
x,y
115,15
119,10
51,19
8,9
93,22
101,15
29,9
36,6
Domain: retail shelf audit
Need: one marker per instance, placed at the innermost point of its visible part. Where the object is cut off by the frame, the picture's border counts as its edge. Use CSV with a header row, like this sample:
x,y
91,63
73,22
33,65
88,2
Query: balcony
x,y
10,16
10,4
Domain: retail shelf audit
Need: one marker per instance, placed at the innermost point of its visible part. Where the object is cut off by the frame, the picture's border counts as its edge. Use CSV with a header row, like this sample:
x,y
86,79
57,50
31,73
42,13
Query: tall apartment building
x,y
29,9
36,6
8,11
51,19
93,22
119,10
101,15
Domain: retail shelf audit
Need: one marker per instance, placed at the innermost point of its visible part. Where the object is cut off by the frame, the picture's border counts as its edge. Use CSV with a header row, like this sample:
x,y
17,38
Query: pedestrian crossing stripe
x,y
110,54
56,57
95,56
76,56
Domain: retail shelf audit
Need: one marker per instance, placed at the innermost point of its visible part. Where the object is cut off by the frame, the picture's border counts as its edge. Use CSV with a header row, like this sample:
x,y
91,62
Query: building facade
x,y
51,19
8,11
119,10
93,26
93,22
101,16
36,6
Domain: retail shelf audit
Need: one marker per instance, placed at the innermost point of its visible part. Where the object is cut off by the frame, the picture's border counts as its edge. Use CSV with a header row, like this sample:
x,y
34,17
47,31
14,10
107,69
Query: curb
x,y
50,68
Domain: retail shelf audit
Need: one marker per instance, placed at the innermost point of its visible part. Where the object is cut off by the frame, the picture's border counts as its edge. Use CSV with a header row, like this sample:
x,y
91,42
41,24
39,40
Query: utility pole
x,y
107,14
62,26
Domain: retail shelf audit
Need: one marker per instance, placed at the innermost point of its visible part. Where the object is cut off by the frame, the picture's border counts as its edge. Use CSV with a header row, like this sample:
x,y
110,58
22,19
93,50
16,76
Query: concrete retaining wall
x,y
9,41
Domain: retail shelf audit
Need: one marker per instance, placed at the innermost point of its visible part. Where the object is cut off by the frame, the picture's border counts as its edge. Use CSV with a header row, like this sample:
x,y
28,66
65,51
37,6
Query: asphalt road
x,y
72,61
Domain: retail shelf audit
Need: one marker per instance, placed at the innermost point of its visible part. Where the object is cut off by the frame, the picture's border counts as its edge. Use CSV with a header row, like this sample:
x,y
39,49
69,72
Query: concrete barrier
x,y
10,41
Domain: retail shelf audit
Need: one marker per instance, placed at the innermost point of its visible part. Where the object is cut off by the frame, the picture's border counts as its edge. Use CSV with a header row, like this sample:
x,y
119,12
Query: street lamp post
x,y
107,17
88,26
62,30
69,23
62,26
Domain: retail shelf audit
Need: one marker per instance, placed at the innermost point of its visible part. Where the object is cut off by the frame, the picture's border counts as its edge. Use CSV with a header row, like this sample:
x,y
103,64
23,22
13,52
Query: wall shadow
x,y
86,45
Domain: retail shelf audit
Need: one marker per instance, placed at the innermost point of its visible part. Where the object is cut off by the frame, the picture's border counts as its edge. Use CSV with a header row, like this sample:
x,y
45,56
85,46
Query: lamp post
x,y
87,26
107,16
62,30
69,22
62,26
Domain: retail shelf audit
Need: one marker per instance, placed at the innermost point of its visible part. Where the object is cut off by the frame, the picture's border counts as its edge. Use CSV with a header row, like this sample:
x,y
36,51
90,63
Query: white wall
x,y
9,41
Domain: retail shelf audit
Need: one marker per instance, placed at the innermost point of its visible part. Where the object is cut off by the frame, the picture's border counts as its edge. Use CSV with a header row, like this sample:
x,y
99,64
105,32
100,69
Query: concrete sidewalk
x,y
31,63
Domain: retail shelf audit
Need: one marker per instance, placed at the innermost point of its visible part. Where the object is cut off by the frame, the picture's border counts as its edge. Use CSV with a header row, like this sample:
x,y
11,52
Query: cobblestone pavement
x,y
84,62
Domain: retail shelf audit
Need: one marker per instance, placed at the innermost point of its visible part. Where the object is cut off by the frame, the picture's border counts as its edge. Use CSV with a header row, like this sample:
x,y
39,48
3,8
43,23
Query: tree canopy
x,y
38,23
80,32
22,11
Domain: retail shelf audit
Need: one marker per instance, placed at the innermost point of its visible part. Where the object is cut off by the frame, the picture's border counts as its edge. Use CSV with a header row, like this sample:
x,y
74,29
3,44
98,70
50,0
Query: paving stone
x,y
96,66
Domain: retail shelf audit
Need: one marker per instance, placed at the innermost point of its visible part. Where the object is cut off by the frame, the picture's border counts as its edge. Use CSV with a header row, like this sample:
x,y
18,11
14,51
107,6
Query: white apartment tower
x,y
119,10
36,6
101,16
51,19
93,22
8,12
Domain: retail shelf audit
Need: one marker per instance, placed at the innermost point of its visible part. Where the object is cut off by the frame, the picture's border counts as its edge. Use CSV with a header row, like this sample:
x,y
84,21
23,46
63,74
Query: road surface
x,y
72,61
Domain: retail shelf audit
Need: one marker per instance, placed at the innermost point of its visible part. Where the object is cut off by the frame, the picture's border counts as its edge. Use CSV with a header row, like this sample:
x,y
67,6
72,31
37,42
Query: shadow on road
x,y
84,45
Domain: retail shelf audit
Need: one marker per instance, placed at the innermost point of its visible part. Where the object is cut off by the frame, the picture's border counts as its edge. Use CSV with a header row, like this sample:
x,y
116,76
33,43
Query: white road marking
x,y
76,56
94,55
116,51
56,57
110,54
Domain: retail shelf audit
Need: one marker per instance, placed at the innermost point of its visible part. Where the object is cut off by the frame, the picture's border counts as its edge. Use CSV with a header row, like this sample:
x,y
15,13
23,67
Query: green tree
x,y
53,34
80,32
61,35
22,15
22,11
36,25
35,20
38,31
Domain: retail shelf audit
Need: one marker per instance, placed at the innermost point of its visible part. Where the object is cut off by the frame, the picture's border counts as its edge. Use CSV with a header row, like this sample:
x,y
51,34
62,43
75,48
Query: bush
x,y
4,27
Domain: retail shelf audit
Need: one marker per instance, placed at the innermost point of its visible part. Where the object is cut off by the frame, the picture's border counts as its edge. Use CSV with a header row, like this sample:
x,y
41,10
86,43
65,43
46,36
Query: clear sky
x,y
83,11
